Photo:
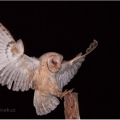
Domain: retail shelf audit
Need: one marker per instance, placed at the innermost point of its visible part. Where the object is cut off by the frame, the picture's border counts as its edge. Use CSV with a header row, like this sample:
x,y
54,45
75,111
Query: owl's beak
x,y
57,67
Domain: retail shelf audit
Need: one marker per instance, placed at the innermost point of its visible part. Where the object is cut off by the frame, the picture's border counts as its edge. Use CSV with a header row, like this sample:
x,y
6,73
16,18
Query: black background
x,y
68,28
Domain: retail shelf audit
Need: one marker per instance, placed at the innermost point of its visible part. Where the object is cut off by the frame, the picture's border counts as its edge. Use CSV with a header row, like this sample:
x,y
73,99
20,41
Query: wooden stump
x,y
71,106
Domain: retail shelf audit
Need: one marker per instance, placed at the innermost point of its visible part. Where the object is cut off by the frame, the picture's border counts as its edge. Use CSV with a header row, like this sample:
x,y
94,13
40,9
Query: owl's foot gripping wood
x,y
62,94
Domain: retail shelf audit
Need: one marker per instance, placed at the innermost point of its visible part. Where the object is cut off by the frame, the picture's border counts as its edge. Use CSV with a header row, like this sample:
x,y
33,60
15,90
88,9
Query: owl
x,y
46,75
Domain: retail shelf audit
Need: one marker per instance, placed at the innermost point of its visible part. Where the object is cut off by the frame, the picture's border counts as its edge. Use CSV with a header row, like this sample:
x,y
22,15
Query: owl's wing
x,y
69,68
44,104
16,68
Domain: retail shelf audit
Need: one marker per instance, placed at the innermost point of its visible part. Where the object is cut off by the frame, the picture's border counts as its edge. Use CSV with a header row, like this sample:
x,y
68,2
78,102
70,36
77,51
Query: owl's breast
x,y
46,83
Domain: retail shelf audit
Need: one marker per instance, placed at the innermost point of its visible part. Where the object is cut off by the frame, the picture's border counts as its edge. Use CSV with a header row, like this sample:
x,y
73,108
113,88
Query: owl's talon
x,y
70,91
62,94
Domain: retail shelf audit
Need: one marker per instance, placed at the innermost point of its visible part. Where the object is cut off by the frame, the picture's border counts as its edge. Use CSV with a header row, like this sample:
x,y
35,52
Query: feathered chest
x,y
44,78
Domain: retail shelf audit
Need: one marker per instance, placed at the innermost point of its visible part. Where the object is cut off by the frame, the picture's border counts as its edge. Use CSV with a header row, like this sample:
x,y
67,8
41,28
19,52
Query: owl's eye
x,y
54,62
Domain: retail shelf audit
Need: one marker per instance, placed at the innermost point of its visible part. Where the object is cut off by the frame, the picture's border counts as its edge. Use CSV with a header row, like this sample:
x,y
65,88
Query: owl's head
x,y
53,61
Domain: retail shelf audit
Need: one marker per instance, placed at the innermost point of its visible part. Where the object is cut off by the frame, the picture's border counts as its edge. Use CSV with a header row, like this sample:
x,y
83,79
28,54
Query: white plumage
x,y
46,75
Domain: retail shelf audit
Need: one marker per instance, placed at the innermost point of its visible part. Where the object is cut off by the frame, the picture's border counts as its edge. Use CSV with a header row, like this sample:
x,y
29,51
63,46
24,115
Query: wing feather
x,y
70,68
6,72
16,68
24,84
17,81
8,77
3,41
23,87
14,78
66,78
10,81
21,80
5,33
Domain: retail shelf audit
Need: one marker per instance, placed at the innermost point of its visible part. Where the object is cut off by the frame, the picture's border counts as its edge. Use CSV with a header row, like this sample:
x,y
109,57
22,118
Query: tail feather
x,y
44,104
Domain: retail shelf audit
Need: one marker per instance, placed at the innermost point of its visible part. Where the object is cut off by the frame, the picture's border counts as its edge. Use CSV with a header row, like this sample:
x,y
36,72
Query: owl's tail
x,y
44,104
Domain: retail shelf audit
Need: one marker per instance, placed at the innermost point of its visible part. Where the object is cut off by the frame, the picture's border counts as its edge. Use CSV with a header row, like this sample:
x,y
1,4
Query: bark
x,y
71,106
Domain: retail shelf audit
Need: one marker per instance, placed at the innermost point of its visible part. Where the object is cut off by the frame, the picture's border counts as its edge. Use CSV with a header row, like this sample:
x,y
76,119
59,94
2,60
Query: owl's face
x,y
52,61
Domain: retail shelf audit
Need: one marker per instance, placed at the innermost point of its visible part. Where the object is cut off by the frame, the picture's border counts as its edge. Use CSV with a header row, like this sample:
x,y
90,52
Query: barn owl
x,y
46,75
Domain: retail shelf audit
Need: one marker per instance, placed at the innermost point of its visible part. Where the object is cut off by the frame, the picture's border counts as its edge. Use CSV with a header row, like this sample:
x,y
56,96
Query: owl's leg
x,y
62,94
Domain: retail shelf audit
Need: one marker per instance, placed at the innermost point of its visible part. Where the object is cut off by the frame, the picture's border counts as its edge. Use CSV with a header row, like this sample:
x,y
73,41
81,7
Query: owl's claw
x,y
62,94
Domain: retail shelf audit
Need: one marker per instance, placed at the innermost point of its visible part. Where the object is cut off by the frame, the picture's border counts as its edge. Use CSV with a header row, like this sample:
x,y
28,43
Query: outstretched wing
x,y
16,68
70,68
